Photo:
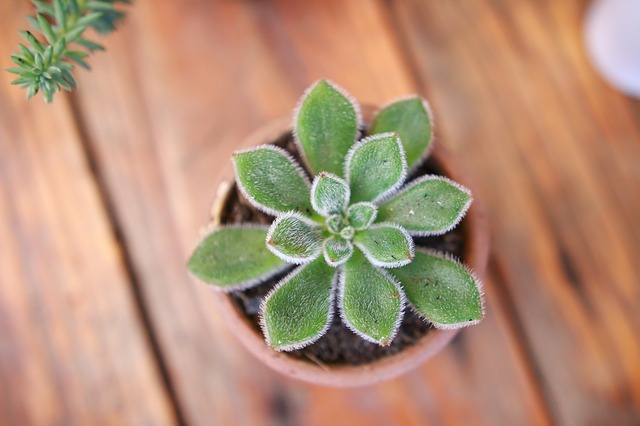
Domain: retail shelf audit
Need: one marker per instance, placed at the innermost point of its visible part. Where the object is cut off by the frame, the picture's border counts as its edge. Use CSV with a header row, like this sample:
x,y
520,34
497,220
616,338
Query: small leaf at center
x,y
329,194
361,215
294,238
337,250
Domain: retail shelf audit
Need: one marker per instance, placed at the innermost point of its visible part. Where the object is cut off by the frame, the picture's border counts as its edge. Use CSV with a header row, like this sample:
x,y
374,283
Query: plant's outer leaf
x,y
329,194
294,238
375,167
92,46
409,117
46,29
233,258
430,205
59,15
371,302
326,125
272,181
442,290
362,215
74,34
26,53
30,38
299,310
337,250
386,245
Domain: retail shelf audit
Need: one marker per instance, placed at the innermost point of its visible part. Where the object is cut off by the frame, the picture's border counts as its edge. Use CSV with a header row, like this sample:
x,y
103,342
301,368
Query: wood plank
x,y
181,87
556,154
73,349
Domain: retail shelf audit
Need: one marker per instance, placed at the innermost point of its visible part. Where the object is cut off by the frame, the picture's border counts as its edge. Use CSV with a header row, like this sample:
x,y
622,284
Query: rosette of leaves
x,y
349,229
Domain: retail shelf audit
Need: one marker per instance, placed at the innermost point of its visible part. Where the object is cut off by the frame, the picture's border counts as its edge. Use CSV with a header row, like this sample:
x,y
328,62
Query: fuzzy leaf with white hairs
x,y
385,245
371,302
335,223
375,167
299,310
410,117
326,125
272,181
329,194
361,215
431,205
294,238
234,258
337,250
442,290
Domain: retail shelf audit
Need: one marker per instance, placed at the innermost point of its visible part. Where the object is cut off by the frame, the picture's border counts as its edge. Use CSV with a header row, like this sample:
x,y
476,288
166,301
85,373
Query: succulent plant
x,y
46,63
350,229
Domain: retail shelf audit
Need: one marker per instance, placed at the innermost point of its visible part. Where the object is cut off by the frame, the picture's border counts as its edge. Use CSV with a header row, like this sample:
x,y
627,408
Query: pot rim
x,y
475,256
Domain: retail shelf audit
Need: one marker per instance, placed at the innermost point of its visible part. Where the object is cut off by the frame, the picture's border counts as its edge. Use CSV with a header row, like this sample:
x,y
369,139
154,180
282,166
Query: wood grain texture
x,y
73,348
556,154
181,87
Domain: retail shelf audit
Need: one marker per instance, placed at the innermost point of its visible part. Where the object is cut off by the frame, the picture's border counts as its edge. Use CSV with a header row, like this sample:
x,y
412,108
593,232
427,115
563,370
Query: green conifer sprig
x,y
45,63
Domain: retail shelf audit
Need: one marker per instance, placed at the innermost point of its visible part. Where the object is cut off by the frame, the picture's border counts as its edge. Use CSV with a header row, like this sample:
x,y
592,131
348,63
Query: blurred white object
x,y
612,34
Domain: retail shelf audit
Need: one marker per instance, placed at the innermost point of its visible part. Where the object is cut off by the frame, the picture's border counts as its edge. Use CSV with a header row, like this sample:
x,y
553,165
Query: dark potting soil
x,y
339,345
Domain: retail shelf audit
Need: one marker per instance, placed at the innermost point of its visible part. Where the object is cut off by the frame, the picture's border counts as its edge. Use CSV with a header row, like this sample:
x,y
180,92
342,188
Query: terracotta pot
x,y
475,256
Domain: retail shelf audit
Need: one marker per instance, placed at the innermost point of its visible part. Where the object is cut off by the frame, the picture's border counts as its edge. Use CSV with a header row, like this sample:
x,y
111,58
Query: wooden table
x,y
102,195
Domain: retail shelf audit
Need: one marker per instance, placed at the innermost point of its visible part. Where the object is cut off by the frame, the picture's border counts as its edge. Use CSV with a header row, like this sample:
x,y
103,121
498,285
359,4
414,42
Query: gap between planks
x,y
120,239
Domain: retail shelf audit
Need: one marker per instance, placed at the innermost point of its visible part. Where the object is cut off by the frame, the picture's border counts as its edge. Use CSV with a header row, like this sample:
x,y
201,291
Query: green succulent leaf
x,y
329,194
347,232
234,257
371,301
431,205
299,309
385,245
335,223
294,238
441,290
361,215
410,118
375,167
272,181
326,126
337,250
